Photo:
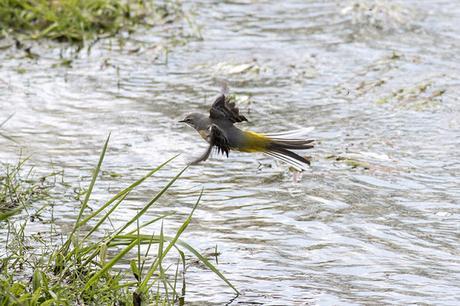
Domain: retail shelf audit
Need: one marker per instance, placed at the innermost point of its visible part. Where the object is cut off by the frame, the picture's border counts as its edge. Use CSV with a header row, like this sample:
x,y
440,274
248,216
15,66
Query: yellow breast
x,y
204,134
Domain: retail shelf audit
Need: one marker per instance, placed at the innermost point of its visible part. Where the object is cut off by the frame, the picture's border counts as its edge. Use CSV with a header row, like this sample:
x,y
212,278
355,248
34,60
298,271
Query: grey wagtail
x,y
219,131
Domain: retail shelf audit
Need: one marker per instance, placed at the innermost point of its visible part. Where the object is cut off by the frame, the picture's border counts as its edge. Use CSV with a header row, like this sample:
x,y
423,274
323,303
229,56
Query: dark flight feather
x,y
217,139
294,144
223,109
291,155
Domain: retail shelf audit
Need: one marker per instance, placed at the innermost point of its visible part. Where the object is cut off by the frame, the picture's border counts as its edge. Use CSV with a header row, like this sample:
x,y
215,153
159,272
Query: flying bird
x,y
219,130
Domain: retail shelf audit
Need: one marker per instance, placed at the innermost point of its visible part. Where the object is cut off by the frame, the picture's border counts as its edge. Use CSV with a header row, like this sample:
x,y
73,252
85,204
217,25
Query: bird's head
x,y
196,120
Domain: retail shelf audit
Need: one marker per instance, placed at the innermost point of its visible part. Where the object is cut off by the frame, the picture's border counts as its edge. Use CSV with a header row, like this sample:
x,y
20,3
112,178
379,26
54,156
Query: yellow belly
x,y
254,142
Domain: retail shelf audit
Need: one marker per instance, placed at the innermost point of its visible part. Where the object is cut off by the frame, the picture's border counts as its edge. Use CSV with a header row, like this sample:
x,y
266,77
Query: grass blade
x,y
110,264
6,120
206,263
66,245
93,182
153,201
94,228
152,221
154,266
124,191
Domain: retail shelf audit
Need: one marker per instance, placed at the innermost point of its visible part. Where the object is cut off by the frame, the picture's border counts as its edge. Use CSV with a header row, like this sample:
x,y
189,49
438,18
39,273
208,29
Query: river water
x,y
376,219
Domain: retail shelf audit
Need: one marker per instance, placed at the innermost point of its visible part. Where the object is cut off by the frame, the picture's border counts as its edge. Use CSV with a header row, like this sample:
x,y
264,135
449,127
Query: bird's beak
x,y
181,121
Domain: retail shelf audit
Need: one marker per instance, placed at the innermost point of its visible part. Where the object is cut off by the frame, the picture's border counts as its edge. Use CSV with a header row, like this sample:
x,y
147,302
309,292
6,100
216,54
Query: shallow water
x,y
381,90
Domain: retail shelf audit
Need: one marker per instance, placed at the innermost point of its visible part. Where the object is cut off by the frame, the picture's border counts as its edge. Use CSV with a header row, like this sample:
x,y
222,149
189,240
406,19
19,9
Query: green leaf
x,y
48,302
135,269
36,280
35,296
103,253
9,213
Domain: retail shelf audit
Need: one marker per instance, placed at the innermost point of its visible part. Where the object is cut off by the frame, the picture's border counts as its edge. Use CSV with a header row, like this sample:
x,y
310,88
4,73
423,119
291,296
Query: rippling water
x,y
375,220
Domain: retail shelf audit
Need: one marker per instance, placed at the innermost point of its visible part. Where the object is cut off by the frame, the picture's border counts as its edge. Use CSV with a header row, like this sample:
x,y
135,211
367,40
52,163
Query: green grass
x,y
19,188
79,20
84,268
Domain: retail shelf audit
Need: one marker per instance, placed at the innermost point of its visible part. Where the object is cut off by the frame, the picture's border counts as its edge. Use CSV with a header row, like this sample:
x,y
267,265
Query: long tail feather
x,y
299,134
292,159
291,162
281,143
292,144
293,140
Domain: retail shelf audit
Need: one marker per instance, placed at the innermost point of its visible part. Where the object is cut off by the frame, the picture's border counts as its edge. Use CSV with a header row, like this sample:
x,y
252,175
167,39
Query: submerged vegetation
x,y
79,267
423,96
79,20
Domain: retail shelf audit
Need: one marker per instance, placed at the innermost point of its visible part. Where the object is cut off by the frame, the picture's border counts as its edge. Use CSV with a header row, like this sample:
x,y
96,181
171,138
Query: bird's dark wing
x,y
222,108
218,139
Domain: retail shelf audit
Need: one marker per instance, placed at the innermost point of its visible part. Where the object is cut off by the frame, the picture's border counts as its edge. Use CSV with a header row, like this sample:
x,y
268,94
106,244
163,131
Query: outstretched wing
x,y
217,139
222,108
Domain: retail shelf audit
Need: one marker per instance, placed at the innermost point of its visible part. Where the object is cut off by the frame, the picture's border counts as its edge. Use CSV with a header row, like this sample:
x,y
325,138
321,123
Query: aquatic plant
x,y
378,16
80,267
426,95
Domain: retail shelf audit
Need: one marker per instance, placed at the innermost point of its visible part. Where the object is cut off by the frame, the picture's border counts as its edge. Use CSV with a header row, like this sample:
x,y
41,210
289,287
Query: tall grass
x,y
19,188
81,268
78,20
